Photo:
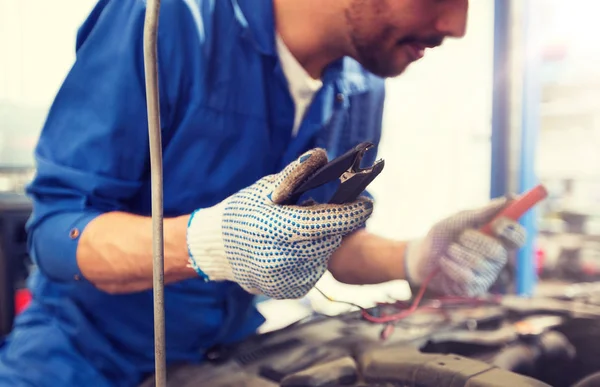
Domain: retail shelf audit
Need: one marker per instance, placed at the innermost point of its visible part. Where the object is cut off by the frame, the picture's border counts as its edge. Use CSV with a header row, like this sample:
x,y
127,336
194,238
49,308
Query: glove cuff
x,y
413,261
206,246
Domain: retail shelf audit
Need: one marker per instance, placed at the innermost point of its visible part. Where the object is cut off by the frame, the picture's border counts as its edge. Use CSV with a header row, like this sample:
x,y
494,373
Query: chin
x,y
397,72
387,65
387,68
387,71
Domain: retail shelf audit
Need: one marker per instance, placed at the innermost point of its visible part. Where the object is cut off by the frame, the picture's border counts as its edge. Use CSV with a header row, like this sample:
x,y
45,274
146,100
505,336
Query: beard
x,y
379,60
377,56
380,45
369,38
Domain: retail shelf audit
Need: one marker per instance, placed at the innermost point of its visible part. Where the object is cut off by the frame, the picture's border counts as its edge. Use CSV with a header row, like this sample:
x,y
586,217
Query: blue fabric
x,y
226,120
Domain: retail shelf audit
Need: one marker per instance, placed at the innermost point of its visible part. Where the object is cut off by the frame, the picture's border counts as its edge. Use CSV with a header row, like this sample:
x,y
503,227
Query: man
x,y
255,95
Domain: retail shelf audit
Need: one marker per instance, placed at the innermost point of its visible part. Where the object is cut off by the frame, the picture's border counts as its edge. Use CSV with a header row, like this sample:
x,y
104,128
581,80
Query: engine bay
x,y
497,341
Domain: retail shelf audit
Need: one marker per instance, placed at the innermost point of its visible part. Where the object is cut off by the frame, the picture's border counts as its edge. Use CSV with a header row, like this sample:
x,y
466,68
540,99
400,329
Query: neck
x,y
315,35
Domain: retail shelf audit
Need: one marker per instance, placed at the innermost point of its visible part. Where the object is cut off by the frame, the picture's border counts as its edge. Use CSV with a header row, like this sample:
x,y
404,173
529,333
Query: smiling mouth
x,y
415,50
416,47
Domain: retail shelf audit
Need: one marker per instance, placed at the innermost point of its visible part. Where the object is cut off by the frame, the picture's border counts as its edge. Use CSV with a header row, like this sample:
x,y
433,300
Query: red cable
x,y
405,313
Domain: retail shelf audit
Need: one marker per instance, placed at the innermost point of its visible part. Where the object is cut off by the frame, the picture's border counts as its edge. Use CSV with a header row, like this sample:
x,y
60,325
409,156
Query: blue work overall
x,y
227,119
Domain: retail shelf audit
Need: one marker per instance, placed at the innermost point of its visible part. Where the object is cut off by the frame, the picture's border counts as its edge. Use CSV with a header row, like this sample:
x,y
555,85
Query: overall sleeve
x,y
93,154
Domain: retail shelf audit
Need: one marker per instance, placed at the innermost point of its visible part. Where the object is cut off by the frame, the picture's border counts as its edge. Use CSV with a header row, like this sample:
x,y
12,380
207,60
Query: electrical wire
x,y
153,106
404,313
389,320
438,305
338,301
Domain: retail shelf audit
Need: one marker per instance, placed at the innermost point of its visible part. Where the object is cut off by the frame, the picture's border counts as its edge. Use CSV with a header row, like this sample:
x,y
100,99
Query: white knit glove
x,y
467,261
277,250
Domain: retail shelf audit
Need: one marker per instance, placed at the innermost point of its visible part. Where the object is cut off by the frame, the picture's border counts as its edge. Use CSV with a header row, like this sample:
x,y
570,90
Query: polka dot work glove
x,y
468,262
280,251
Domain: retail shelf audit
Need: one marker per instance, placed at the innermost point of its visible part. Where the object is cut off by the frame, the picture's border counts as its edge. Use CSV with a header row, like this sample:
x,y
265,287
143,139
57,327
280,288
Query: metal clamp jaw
x,y
345,168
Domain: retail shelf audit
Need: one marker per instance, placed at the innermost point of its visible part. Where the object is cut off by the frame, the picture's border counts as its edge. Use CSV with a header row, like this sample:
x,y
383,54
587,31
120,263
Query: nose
x,y
453,21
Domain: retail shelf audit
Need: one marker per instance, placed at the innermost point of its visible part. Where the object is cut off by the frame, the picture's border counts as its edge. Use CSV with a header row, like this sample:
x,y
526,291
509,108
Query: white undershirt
x,y
302,86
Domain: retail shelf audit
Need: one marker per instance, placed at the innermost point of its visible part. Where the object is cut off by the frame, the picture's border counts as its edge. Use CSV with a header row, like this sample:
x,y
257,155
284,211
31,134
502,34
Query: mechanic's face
x,y
388,35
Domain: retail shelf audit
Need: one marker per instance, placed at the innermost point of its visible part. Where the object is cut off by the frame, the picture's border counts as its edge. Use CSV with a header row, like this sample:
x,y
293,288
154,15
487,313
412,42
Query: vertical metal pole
x,y
154,131
501,101
516,145
526,275
502,108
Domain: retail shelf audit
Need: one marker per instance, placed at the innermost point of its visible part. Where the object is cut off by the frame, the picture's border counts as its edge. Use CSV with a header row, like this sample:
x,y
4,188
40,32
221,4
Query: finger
x,y
308,276
295,280
305,254
455,276
297,173
325,220
476,262
511,233
484,245
479,217
474,218
278,177
462,281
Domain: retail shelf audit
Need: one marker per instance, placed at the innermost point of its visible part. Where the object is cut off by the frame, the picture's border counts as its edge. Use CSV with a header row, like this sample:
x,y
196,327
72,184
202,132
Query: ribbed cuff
x,y
206,246
413,256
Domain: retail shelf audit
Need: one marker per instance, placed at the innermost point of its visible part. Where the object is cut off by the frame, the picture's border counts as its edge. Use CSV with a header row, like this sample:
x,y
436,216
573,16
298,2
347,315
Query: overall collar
x,y
257,20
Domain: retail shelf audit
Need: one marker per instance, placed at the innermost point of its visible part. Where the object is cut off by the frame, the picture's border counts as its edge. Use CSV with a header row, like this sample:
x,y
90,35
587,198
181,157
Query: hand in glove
x,y
277,250
468,262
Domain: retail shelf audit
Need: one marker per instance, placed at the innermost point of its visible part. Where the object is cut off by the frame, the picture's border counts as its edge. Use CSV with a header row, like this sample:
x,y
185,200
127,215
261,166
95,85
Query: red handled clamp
x,y
519,206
